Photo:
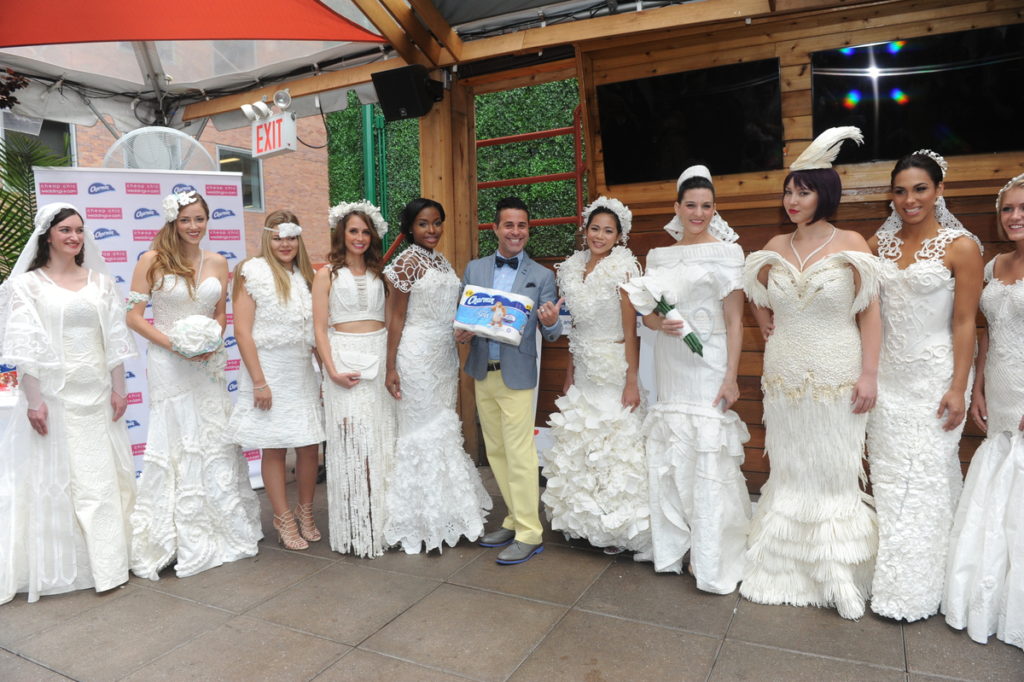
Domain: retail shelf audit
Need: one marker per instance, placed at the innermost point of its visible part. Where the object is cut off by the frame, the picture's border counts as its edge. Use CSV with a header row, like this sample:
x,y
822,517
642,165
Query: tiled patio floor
x,y
568,614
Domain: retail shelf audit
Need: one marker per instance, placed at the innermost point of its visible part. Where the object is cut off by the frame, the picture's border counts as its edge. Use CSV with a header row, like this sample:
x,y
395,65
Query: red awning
x,y
81,21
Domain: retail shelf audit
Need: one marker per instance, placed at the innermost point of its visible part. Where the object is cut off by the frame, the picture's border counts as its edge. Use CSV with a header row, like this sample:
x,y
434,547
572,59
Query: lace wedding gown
x,y
65,498
985,574
194,498
596,471
435,495
915,470
283,334
699,498
813,538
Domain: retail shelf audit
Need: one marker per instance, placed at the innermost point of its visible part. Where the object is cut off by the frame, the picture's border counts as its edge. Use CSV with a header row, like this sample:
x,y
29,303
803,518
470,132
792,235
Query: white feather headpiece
x,y
341,210
620,210
825,148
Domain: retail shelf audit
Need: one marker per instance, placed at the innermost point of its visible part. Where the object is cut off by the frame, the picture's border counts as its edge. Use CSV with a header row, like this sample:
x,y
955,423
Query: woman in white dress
x,y
985,574
67,482
348,320
930,280
699,499
813,537
278,401
435,495
194,502
596,473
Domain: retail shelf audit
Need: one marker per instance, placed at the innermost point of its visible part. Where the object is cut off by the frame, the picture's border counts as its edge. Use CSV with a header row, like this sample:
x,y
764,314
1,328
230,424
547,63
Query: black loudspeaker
x,y
406,92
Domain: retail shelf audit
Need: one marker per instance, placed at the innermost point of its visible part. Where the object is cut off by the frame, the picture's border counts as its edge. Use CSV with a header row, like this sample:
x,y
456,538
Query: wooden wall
x,y
751,201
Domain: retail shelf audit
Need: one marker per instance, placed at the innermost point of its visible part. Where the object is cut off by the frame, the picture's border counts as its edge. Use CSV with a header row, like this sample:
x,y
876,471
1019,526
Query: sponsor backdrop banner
x,y
122,208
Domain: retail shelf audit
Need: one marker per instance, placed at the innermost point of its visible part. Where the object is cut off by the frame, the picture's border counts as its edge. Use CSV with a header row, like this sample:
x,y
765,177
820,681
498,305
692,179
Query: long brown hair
x,y
282,278
374,255
167,245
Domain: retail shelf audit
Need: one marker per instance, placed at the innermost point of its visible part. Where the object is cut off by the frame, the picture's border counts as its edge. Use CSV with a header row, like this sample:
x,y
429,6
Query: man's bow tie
x,y
512,262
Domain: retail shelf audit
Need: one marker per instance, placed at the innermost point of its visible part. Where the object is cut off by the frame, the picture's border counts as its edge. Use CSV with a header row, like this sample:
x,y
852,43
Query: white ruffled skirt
x,y
985,571
194,501
699,498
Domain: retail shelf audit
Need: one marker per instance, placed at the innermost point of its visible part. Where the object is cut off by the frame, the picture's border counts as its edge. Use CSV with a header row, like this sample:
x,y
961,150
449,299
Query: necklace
x,y
803,261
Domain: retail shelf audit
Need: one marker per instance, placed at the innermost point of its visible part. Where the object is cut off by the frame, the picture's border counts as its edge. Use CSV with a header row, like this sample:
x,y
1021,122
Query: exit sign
x,y
274,136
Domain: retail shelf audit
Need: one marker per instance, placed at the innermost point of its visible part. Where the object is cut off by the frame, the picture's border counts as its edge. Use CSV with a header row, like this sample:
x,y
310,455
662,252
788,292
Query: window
x,y
240,161
956,93
57,137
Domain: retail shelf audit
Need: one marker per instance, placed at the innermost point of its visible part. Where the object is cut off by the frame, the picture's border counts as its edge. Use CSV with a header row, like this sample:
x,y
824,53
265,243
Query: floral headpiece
x,y
173,203
285,230
1014,182
936,157
341,210
620,210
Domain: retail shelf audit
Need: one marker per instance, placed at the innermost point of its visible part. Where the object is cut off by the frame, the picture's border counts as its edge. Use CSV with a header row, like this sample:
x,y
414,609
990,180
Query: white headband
x,y
341,210
620,210
173,203
825,148
285,230
1014,182
718,228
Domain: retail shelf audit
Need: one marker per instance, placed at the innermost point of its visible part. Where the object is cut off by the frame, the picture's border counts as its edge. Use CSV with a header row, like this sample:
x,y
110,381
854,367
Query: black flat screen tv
x,y
726,117
956,93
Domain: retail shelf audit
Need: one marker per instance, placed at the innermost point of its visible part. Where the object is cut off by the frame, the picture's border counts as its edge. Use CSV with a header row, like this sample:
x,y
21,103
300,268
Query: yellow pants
x,y
506,418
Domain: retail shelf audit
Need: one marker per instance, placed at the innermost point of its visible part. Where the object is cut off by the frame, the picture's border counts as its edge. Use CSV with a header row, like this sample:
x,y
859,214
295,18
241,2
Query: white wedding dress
x,y
985,574
435,494
915,469
813,538
699,498
283,335
195,502
65,498
596,471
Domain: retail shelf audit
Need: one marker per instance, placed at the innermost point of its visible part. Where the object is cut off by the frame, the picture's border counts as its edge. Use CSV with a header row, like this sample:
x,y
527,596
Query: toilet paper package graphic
x,y
495,314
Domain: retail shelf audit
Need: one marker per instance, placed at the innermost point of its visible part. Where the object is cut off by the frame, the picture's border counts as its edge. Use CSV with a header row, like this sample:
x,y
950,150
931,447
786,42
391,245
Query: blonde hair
x,y
169,260
282,278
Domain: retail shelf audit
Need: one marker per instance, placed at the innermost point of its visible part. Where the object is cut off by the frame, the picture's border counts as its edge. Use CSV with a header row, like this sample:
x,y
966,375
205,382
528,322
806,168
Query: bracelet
x,y
260,388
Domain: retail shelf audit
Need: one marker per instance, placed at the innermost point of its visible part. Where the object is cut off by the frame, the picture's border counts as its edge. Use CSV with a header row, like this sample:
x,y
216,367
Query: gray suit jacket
x,y
518,364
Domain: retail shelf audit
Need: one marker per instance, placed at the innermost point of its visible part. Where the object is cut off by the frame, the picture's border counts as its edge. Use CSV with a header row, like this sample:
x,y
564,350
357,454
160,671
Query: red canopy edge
x,y
79,21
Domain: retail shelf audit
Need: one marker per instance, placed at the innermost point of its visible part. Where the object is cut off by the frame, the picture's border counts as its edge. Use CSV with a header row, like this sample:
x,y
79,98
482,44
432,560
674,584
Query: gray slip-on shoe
x,y
497,538
517,553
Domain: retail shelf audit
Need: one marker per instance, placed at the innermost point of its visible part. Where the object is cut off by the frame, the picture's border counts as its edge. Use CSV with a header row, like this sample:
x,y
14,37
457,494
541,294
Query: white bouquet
x,y
195,335
647,296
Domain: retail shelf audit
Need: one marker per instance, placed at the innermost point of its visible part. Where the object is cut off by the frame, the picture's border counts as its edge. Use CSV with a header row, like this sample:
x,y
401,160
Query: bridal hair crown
x,y
341,210
620,210
936,157
1017,181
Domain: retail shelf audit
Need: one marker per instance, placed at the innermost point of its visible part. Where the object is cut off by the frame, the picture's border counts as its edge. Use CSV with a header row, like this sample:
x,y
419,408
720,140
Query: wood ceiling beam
x,y
392,32
328,80
406,18
437,24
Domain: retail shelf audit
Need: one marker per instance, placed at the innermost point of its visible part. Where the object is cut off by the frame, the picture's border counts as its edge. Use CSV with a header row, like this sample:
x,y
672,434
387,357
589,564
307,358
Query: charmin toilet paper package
x,y
493,313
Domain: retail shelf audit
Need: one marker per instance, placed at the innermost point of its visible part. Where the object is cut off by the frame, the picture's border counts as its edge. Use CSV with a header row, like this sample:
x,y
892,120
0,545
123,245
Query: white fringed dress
x,y
65,498
596,471
195,502
360,421
283,334
813,538
915,467
699,498
435,495
985,573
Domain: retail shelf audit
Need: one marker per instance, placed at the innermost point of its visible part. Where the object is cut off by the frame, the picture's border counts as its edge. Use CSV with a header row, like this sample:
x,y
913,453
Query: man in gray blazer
x,y
506,378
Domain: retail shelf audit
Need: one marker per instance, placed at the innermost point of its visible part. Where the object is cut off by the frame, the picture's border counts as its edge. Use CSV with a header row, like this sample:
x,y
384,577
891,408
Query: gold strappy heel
x,y
307,527
288,532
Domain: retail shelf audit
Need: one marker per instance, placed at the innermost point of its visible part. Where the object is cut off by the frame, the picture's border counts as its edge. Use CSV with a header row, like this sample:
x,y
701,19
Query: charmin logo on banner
x,y
124,224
